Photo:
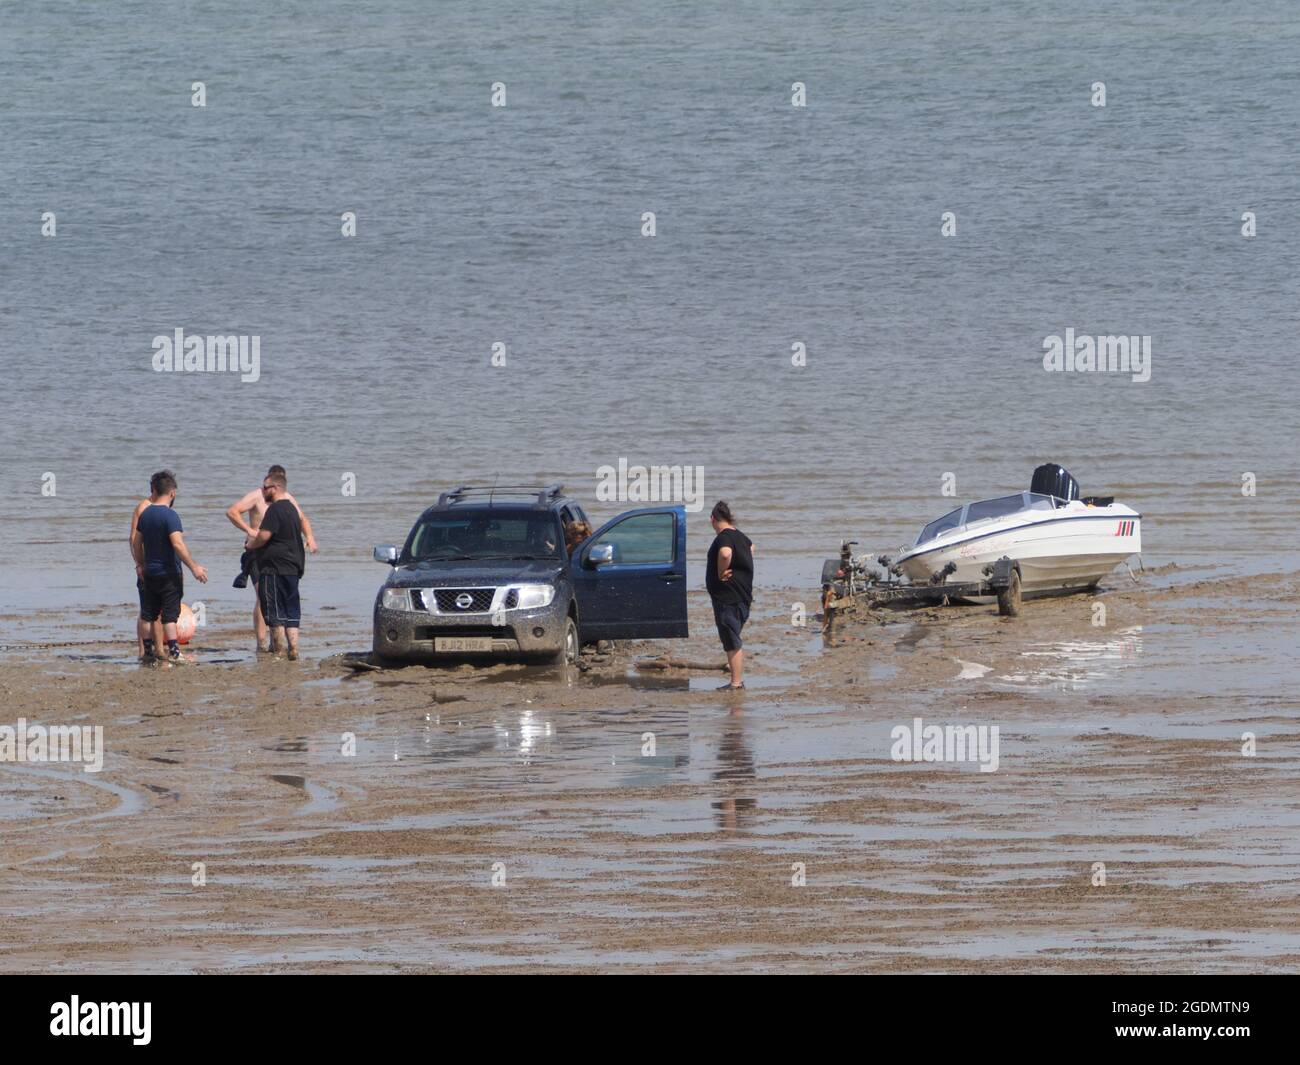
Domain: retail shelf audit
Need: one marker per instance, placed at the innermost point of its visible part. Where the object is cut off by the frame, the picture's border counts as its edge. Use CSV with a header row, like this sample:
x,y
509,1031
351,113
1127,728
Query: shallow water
x,y
521,225
658,825
775,226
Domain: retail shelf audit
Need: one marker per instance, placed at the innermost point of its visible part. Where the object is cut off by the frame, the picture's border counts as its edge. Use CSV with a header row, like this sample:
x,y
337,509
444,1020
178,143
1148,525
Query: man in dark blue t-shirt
x,y
158,545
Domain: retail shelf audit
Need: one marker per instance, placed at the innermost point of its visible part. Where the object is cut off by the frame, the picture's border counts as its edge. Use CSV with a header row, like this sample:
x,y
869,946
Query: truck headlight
x,y
531,596
396,599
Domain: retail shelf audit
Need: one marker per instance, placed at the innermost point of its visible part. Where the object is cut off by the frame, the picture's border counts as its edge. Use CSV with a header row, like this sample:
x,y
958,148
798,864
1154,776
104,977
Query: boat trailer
x,y
853,582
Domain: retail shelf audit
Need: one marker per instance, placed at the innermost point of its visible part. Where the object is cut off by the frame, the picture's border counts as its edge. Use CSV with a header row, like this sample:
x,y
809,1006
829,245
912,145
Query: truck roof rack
x,y
543,494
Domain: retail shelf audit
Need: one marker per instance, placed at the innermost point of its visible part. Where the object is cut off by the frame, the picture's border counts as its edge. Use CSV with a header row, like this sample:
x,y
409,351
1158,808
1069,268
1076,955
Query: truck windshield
x,y
482,535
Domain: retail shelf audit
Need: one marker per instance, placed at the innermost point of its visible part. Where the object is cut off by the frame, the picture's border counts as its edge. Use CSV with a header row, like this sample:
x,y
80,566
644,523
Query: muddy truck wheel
x,y
1009,597
568,653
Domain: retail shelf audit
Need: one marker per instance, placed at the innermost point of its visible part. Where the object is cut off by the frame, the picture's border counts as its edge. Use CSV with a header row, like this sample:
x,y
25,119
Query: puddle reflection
x,y
736,772
1072,664
531,735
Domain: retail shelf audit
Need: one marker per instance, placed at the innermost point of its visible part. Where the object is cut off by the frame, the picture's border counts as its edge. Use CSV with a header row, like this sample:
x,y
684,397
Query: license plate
x,y
462,643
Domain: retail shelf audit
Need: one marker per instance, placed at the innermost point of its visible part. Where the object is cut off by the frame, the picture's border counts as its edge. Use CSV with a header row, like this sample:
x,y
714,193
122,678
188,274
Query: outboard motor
x,y
1052,480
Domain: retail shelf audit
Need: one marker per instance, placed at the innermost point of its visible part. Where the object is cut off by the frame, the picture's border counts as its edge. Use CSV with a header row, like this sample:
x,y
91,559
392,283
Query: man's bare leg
x,y
149,630
259,625
292,636
277,639
169,633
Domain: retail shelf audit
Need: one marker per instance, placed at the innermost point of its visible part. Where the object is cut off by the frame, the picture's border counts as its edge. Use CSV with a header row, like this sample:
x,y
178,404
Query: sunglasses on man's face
x,y
268,488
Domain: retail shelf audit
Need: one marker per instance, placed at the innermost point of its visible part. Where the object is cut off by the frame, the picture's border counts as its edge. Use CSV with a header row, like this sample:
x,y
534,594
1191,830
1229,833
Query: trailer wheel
x,y
1009,597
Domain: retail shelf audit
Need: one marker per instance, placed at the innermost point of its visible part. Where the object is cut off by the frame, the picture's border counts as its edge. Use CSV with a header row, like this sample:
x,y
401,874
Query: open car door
x,y
630,577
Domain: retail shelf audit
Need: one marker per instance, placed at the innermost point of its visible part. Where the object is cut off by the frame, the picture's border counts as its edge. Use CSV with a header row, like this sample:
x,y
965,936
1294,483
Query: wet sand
x,y
1119,744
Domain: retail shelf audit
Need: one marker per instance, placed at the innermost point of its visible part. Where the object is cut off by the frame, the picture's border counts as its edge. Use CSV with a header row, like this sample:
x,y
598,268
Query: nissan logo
x,y
464,601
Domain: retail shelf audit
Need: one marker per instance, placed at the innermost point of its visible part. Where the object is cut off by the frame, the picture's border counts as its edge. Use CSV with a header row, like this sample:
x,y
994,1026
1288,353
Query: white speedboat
x,y
1059,542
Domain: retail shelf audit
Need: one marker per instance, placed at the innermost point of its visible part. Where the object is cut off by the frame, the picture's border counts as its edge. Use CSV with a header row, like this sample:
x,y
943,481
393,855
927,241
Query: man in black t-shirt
x,y
729,578
280,564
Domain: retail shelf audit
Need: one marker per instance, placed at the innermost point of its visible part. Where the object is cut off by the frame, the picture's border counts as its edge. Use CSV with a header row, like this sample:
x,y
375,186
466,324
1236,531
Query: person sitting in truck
x,y
574,534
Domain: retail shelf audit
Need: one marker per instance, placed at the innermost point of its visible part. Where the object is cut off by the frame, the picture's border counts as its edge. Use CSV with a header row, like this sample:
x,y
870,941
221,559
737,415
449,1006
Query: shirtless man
x,y
254,506
142,628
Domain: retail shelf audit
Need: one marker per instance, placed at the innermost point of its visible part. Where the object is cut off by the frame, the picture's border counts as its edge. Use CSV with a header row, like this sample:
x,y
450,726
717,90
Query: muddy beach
x,y
623,819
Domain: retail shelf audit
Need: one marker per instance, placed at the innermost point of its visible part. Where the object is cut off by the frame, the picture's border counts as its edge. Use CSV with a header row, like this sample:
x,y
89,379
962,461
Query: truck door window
x,y
641,538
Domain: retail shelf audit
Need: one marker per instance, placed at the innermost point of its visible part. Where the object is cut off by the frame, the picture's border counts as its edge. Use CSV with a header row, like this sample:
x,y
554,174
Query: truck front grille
x,y
471,600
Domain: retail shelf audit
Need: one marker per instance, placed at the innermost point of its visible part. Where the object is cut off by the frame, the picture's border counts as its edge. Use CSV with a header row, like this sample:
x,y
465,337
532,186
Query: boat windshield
x,y
987,509
941,525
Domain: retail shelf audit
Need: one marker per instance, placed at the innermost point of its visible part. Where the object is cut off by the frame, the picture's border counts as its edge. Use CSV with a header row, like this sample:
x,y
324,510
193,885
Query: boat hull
x,y
1057,554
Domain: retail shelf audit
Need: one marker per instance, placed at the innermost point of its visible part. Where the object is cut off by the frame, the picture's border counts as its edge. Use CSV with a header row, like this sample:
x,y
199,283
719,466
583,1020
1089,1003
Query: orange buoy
x,y
185,625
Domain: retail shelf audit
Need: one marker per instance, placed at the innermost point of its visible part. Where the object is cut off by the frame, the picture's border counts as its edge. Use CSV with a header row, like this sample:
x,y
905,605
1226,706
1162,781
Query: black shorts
x,y
278,594
161,596
730,619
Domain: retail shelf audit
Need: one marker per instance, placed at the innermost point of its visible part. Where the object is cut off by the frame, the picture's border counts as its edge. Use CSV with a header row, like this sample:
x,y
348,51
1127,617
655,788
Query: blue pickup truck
x,y
485,572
